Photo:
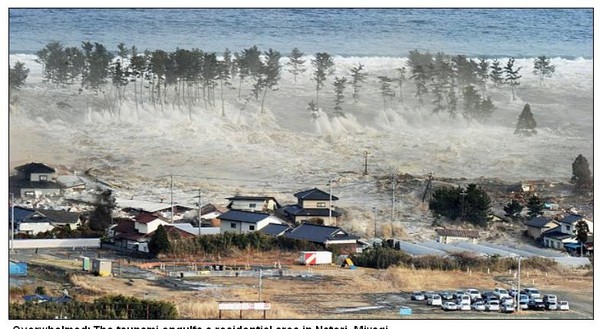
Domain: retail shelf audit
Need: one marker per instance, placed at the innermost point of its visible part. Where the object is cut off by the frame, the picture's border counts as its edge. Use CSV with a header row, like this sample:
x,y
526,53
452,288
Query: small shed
x,y
86,264
457,235
102,267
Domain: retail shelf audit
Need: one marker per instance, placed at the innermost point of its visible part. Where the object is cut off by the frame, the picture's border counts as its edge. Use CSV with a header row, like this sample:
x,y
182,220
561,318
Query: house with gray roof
x,y
536,227
253,203
34,180
314,206
43,220
328,236
276,229
565,233
245,221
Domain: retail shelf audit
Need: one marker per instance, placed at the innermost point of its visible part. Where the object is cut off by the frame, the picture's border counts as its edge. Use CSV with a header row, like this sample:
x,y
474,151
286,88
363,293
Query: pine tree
x,y
513,209
526,123
582,176
296,63
339,84
323,64
582,229
496,73
535,207
159,241
358,77
17,75
543,68
387,93
512,76
270,71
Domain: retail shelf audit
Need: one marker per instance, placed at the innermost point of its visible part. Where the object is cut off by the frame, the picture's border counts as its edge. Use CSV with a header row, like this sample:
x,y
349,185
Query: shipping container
x,y
102,267
316,257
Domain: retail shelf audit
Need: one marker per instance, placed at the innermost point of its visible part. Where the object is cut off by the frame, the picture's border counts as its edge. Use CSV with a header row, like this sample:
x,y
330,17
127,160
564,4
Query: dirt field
x,y
326,292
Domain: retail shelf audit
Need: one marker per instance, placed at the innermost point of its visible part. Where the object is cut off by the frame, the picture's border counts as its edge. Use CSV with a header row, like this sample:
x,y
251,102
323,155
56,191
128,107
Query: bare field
x,y
327,292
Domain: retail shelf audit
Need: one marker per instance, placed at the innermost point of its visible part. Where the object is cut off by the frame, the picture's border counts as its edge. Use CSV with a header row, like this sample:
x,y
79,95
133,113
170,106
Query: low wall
x,y
55,243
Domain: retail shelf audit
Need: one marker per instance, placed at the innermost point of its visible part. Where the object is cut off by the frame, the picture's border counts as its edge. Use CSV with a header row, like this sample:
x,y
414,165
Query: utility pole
x,y
393,201
375,222
199,210
172,207
330,200
519,286
12,216
462,203
366,172
259,285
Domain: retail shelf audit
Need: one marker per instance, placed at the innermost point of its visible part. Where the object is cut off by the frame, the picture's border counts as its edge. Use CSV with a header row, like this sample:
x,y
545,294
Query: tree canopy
x,y
472,204
526,123
582,176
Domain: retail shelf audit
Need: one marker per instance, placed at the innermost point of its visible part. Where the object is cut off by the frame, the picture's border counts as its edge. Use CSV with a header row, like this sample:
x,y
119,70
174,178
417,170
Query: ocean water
x,y
387,32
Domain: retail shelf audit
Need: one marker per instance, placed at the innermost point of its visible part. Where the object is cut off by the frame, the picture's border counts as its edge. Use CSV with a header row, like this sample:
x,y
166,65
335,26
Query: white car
x,y
449,306
523,305
417,295
552,306
464,306
563,305
492,305
507,307
501,293
478,306
533,293
549,298
434,300
474,293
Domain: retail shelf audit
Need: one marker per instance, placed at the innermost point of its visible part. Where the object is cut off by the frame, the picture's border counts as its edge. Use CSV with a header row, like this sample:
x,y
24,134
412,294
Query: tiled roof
x,y
296,210
243,216
275,229
538,222
125,226
556,234
319,233
173,229
571,219
35,167
20,213
60,216
252,198
314,194
146,217
458,233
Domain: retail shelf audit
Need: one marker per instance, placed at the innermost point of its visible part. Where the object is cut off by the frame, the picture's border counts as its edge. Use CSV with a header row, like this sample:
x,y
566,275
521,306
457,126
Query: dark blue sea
x,y
389,32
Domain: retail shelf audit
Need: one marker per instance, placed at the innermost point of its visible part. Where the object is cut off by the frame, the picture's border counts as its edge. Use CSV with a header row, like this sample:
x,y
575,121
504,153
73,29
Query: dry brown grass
x,y
409,279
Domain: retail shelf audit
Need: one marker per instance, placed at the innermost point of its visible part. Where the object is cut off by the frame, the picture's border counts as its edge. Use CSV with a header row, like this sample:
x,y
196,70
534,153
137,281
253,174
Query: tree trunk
x,y
262,104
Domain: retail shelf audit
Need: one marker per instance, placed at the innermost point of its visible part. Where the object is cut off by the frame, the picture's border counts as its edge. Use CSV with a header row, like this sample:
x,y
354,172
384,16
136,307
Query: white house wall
x,y
35,228
245,205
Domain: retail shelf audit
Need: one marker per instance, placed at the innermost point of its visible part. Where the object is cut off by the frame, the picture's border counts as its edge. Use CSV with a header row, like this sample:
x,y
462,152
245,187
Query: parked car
x,y
523,305
513,292
549,298
435,299
492,305
460,299
449,306
532,292
563,305
447,295
417,295
501,293
464,306
428,294
478,306
552,306
524,297
536,304
507,307
474,293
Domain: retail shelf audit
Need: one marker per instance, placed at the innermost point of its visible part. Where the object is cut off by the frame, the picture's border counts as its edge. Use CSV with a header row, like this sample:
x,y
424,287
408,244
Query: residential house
x,y
135,234
43,220
566,232
134,207
536,227
327,236
314,206
276,229
253,203
246,221
448,236
34,180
